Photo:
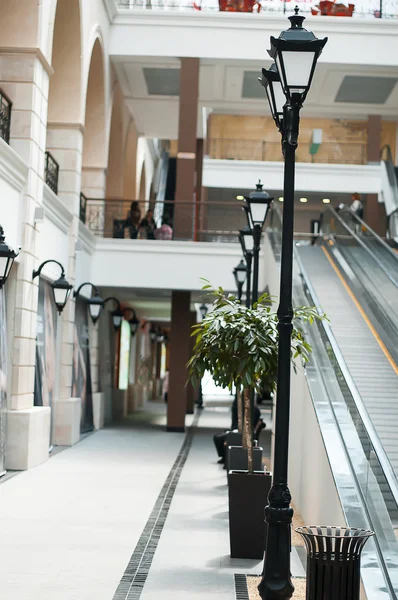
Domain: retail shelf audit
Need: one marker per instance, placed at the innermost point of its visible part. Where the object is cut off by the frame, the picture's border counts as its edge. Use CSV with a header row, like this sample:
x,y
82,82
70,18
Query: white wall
x,y
13,175
84,259
145,160
311,480
52,241
214,35
165,265
240,174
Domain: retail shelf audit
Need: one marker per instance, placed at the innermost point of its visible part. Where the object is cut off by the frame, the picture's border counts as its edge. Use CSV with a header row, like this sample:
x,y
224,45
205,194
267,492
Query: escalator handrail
x,y
361,243
362,411
379,239
389,153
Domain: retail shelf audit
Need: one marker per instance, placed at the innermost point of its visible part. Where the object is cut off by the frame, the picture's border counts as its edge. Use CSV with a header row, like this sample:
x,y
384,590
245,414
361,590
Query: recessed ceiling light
x,y
280,198
240,197
303,199
326,201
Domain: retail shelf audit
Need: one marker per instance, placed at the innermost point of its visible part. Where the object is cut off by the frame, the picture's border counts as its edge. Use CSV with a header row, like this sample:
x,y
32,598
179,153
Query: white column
x,y
65,142
25,80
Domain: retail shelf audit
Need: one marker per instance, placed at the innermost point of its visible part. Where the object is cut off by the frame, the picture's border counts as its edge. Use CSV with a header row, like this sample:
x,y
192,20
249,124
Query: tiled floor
x,y
69,527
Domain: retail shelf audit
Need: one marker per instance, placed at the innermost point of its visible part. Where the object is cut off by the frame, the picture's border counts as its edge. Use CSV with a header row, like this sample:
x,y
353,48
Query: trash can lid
x,y
333,531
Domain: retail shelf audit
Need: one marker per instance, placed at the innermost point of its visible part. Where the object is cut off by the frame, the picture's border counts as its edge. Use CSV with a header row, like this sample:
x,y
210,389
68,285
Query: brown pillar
x,y
374,216
186,155
191,391
198,189
179,356
158,359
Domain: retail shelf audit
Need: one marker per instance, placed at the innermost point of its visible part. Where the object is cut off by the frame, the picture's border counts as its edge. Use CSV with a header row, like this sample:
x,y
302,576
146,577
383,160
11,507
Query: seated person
x,y
220,438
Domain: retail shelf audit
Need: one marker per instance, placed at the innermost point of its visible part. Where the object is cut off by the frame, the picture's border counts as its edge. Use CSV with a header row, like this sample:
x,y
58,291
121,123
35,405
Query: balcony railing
x,y
5,116
203,222
51,172
327,153
83,207
371,9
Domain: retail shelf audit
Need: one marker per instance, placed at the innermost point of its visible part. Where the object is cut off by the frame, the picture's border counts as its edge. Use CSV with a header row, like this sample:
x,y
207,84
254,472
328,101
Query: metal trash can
x,y
333,561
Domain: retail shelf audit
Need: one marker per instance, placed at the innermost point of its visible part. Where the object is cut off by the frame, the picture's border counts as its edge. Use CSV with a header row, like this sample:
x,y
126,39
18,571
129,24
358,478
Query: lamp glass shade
x,y
250,223
259,212
7,257
5,268
95,305
271,82
249,242
61,290
297,70
117,321
95,310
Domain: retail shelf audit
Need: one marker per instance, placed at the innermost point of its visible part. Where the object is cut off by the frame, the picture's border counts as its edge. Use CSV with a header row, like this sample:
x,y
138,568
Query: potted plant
x,y
239,345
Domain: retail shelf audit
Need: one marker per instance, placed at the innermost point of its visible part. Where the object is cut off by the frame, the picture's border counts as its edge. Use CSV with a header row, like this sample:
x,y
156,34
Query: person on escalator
x,y
356,205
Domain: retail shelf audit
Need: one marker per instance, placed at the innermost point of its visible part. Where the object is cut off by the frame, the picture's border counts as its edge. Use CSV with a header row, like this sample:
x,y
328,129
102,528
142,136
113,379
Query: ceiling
x,y
151,88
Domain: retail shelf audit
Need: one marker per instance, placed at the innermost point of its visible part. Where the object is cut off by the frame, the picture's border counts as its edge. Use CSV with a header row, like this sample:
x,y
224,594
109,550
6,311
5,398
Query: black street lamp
x,y
95,303
61,288
258,203
7,257
153,334
117,314
203,310
240,273
296,52
247,242
134,322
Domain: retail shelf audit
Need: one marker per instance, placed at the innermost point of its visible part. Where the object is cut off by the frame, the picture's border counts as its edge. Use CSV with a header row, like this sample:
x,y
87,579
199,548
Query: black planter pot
x,y
237,459
248,494
234,438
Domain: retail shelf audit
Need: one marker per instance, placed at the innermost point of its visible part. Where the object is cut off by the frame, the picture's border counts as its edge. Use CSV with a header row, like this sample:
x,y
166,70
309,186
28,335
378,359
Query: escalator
x,y
389,192
353,378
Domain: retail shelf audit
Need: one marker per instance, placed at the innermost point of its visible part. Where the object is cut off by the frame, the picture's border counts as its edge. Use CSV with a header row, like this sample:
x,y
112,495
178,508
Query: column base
x,y
28,437
67,417
99,410
119,404
175,429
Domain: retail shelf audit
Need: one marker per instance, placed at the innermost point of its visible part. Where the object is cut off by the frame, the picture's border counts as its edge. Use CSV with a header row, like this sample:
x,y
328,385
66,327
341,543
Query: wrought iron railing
x,y
83,207
51,172
5,116
327,153
201,221
372,9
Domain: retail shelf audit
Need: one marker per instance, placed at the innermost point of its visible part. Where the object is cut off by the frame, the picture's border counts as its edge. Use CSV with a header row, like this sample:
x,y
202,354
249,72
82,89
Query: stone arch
x,y
65,92
142,188
94,139
117,138
130,163
19,23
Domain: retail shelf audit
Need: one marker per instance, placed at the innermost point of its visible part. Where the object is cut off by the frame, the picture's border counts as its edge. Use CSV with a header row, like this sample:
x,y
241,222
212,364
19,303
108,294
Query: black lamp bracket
x,y
93,287
38,271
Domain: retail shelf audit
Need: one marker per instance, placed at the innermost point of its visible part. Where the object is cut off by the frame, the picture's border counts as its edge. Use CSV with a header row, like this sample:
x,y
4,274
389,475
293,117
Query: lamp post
x,y
240,273
257,203
295,52
7,257
61,288
95,303
246,242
